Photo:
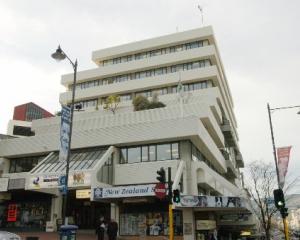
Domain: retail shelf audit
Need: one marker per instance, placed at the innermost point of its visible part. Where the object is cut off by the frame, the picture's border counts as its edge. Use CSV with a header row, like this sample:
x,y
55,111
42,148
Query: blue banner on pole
x,y
64,133
62,180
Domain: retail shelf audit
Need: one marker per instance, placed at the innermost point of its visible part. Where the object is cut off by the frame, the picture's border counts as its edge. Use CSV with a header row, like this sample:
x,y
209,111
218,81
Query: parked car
x,y
9,236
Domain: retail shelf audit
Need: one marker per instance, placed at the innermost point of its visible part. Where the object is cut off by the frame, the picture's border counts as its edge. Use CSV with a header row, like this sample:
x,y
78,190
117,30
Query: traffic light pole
x,y
171,230
284,215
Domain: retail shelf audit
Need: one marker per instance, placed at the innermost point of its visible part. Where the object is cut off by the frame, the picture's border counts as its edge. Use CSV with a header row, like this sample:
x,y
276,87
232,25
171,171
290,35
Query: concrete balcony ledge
x,y
228,134
205,175
239,160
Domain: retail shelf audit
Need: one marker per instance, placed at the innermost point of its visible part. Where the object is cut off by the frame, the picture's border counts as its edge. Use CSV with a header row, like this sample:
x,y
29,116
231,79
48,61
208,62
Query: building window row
x,y
24,164
144,74
148,153
87,103
149,93
157,52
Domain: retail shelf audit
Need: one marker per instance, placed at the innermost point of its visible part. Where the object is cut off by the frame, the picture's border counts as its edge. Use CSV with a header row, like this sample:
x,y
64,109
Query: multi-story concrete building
x,y
115,156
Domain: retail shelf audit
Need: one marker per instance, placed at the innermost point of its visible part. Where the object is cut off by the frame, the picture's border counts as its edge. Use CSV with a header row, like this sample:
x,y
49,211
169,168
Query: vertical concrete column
x,y
189,174
115,162
56,206
188,224
114,213
4,166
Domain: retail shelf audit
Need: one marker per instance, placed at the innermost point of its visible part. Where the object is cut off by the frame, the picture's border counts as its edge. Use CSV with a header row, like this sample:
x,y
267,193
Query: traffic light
x,y
284,212
161,175
279,198
176,196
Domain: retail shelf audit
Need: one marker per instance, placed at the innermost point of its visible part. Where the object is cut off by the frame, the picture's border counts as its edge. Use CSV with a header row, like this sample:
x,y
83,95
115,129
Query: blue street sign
x,y
62,180
63,189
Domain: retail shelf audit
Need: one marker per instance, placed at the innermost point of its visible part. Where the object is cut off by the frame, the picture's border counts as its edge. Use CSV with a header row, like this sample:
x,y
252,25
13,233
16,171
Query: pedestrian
x,y
100,228
112,230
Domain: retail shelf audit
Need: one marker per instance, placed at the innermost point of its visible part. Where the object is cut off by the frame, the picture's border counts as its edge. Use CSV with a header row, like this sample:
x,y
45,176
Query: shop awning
x,y
82,159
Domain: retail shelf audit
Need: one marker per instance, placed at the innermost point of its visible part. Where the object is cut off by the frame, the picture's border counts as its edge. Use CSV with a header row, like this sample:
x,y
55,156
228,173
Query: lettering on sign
x,y
124,191
82,194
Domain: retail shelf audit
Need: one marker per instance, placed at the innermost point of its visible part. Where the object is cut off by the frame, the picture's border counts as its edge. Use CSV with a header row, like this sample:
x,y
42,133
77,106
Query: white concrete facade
x,y
194,120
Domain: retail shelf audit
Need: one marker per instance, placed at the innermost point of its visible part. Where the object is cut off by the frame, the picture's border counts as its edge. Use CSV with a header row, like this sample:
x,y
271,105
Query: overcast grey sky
x,y
259,42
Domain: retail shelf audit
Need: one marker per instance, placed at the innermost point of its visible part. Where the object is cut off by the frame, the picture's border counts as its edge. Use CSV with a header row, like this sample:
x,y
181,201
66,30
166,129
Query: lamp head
x,y
58,55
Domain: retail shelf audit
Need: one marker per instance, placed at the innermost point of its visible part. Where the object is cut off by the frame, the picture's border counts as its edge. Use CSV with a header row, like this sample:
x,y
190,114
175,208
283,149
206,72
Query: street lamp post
x,y
285,225
61,55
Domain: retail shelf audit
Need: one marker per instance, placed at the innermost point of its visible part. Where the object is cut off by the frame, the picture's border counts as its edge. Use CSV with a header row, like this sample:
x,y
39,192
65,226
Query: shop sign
x,y
234,217
205,224
43,181
52,180
84,193
12,213
3,184
5,196
211,201
79,179
124,191
190,201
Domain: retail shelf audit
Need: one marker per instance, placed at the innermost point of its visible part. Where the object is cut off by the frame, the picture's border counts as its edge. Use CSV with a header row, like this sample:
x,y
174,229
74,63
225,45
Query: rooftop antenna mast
x,y
201,12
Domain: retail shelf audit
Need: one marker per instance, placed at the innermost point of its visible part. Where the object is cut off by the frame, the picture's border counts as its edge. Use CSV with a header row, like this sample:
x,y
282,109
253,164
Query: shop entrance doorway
x,y
84,213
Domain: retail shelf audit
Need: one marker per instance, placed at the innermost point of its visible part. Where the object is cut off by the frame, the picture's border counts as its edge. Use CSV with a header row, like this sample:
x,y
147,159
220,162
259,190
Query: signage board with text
x,y
53,180
211,202
83,193
124,191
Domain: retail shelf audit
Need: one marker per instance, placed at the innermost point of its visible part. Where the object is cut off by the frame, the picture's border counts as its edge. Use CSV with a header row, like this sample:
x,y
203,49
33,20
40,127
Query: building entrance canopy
x,y
81,166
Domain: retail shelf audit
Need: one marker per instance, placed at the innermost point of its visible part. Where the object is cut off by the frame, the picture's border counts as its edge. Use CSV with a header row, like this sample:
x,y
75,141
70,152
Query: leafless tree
x,y
261,180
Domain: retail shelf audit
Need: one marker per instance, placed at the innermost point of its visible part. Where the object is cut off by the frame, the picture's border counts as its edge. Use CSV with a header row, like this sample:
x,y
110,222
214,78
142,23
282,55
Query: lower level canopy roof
x,y
80,159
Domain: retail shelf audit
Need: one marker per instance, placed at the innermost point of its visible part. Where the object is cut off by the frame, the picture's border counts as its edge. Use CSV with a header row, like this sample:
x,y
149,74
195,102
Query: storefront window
x,y
163,152
134,155
175,151
152,152
149,224
123,155
31,215
145,153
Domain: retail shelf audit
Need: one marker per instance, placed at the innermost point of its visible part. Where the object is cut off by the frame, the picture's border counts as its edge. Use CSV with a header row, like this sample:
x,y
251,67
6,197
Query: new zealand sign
x,y
124,191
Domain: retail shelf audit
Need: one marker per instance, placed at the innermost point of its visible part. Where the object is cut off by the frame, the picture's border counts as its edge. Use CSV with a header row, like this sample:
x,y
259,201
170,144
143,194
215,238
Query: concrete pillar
x,y
188,224
114,213
189,174
56,206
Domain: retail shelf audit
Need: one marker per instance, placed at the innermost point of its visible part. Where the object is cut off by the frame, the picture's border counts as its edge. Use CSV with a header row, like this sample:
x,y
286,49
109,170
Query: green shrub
x,y
142,103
